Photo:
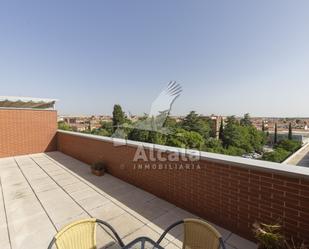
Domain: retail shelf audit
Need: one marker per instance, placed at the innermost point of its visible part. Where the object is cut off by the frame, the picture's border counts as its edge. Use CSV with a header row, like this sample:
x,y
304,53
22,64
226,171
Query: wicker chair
x,y
80,235
198,234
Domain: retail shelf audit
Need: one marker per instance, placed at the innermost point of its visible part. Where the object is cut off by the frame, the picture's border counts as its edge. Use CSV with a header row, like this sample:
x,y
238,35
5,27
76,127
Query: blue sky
x,y
231,57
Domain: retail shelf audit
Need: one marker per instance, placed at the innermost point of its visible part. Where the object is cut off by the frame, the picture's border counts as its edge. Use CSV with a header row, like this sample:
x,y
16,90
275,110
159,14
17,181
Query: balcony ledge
x,y
270,167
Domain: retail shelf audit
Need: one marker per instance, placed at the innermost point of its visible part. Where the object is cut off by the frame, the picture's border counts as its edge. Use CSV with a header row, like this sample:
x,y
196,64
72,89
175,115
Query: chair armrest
x,y
113,231
168,229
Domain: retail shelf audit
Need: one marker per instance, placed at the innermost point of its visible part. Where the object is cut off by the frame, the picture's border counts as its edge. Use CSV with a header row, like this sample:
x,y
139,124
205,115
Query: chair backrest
x,y
199,234
78,235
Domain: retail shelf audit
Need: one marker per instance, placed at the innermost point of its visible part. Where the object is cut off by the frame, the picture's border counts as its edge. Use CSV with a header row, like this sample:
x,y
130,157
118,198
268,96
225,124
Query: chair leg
x,y
221,243
51,243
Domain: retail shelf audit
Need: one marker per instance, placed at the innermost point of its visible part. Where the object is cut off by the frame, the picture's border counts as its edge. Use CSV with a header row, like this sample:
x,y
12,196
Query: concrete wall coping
x,y
302,149
28,109
270,167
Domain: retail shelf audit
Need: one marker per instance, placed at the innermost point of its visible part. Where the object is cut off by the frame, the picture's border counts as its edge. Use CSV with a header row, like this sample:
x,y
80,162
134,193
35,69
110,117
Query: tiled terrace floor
x,y
42,192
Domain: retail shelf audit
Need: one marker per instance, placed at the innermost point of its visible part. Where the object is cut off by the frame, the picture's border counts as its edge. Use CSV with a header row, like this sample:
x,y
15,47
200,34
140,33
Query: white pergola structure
x,y
16,102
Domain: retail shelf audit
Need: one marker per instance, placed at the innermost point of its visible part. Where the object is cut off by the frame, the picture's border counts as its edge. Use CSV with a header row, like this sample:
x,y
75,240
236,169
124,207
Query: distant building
x,y
216,124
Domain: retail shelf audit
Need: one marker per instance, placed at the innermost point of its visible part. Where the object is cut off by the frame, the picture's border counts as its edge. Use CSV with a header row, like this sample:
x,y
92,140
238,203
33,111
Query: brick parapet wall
x,y
26,131
233,193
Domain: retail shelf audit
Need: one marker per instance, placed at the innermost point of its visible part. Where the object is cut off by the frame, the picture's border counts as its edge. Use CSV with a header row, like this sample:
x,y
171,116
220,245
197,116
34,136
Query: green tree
x,y
257,139
232,120
194,140
156,138
276,134
108,126
234,151
232,134
288,145
221,130
118,117
244,137
278,155
213,145
290,136
64,126
185,139
171,123
194,122
177,138
190,121
101,132
246,120
139,135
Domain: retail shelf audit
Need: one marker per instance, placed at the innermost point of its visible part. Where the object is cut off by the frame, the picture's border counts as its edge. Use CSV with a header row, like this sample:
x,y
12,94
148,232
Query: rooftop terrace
x,y
39,193
42,192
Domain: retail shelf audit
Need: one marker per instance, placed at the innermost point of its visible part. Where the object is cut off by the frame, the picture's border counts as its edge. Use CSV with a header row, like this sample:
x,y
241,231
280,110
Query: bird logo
x,y
159,112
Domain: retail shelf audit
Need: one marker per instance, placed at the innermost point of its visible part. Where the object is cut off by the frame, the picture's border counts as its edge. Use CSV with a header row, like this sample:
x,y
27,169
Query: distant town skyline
x,y
182,115
230,57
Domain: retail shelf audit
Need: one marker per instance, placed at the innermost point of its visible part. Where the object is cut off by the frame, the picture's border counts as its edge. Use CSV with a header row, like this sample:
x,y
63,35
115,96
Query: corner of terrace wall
x,y
27,131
